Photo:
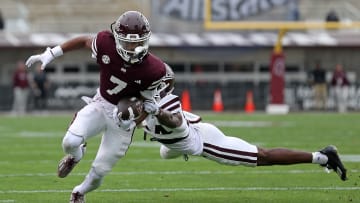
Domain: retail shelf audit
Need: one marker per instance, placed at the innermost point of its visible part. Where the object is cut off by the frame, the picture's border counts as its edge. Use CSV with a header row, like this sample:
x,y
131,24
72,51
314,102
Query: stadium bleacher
x,y
92,15
183,41
65,15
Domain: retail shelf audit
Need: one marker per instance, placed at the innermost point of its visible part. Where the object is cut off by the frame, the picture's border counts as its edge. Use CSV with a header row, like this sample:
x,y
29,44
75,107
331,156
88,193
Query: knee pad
x,y
163,152
167,153
71,141
101,170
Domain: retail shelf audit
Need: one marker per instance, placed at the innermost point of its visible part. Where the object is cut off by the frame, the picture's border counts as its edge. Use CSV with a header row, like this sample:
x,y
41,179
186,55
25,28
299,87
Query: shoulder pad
x,y
192,118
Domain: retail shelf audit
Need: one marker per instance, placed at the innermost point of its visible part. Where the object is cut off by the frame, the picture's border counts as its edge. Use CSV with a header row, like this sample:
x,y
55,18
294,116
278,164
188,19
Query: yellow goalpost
x,y
277,62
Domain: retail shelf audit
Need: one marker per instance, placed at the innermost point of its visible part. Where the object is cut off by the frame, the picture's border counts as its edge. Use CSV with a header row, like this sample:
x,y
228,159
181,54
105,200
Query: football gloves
x,y
151,107
46,57
124,124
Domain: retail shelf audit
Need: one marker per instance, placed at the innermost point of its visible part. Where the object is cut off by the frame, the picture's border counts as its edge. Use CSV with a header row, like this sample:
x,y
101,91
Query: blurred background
x,y
234,64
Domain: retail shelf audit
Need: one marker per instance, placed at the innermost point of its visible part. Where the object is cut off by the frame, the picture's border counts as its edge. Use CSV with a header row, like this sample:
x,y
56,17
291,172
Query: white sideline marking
x,y
129,173
7,200
345,158
250,124
219,123
350,158
125,173
191,189
39,134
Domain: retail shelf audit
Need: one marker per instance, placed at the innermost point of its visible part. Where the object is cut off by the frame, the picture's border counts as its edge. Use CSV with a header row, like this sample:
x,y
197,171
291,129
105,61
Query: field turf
x,y
31,148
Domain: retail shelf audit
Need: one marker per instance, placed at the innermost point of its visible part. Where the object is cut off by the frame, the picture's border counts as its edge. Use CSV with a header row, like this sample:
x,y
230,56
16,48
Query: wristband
x,y
157,113
56,51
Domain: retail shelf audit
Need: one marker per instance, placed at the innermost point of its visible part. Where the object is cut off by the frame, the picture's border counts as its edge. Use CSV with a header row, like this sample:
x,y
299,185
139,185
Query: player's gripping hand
x,y
127,124
46,57
151,107
124,124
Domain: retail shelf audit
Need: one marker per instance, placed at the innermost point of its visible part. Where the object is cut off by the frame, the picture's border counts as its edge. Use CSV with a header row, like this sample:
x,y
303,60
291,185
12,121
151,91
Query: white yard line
x,y
130,173
350,157
191,189
219,123
251,124
345,158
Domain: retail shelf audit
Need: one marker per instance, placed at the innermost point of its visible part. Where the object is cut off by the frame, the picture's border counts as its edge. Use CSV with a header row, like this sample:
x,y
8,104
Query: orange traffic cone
x,y
185,101
218,104
249,106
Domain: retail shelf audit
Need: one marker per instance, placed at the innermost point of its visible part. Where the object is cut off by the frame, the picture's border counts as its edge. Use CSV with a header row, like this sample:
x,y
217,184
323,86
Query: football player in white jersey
x,y
182,133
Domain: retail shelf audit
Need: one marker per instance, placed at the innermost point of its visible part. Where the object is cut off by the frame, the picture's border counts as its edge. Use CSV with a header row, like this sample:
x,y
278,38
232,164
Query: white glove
x,y
151,107
124,124
127,124
87,99
46,57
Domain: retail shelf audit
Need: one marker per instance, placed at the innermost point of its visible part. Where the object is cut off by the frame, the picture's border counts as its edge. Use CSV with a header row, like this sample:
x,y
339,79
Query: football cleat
x,y
77,197
67,163
334,161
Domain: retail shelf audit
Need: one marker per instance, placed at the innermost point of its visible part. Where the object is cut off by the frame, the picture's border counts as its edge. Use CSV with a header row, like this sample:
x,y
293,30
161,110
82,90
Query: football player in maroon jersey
x,y
126,69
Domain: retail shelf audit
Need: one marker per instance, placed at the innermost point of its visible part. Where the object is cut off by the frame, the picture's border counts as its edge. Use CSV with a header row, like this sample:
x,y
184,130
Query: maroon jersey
x,y
339,78
20,79
118,79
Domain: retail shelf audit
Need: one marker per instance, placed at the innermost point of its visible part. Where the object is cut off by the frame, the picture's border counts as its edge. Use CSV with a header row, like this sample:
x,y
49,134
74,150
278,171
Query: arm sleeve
x,y
94,48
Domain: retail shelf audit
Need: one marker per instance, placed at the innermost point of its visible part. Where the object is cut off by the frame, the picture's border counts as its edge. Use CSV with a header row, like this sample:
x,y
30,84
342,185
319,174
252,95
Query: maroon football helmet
x,y
132,33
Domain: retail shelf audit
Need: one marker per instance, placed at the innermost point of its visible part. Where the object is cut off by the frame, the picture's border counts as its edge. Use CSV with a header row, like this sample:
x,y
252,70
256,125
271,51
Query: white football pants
x,y
215,146
94,118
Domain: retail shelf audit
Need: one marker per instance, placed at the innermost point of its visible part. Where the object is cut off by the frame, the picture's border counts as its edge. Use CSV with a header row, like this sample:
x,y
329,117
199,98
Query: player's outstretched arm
x,y
51,53
77,43
167,118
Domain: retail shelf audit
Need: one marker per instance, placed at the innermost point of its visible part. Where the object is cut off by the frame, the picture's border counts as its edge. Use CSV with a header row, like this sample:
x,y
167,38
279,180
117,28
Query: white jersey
x,y
154,128
197,138
183,138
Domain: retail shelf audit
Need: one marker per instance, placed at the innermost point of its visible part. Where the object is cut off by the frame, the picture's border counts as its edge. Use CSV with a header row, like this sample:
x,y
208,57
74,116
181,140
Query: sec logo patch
x,y
105,59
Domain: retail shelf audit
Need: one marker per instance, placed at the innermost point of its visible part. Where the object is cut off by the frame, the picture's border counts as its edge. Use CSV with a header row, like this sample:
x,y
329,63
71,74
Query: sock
x,y
91,182
72,145
319,158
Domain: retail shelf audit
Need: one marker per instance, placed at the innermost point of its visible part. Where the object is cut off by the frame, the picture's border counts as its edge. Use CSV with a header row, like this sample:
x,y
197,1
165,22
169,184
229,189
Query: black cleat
x,y
334,161
77,197
67,163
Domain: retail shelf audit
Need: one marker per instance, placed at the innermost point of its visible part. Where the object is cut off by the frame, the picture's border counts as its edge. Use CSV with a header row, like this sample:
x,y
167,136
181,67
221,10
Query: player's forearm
x,y
77,43
168,119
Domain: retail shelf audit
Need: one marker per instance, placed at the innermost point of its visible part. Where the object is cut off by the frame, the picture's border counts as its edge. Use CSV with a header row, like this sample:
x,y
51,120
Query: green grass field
x,y
31,148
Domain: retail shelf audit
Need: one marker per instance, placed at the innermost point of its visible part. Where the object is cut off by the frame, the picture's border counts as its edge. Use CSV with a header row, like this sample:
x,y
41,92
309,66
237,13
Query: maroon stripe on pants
x,y
208,147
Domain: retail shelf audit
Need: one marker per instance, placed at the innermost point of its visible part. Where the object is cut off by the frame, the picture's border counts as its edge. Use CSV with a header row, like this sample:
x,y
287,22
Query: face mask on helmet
x,y
132,33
